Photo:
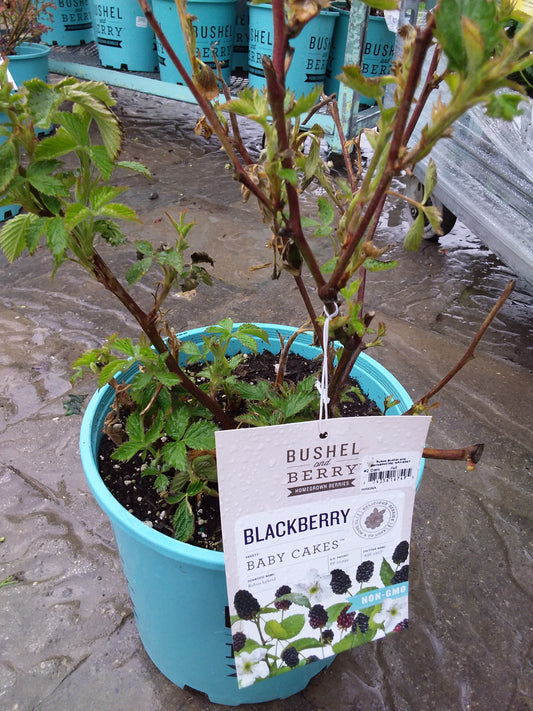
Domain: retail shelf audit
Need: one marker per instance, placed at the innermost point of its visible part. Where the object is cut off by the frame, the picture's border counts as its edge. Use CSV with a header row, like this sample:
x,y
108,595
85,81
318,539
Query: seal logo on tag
x,y
375,518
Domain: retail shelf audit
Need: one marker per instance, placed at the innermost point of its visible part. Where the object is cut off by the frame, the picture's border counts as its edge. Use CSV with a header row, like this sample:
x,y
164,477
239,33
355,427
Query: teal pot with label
x,y
123,36
30,60
214,27
71,24
239,58
179,590
311,49
378,50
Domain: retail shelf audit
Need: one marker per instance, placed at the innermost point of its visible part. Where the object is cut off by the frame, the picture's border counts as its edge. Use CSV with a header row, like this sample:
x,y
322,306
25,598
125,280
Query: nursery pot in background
x,y
124,38
239,58
312,46
71,24
378,50
179,590
214,26
30,60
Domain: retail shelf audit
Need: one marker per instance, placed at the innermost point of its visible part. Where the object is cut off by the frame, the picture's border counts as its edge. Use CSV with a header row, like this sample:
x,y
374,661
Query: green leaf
x,y
102,161
433,216
13,237
325,211
8,164
305,103
504,106
75,214
117,210
138,270
183,521
353,78
247,341
195,488
161,482
275,630
189,348
386,572
253,330
383,4
55,146
134,166
176,423
306,643
414,234
200,435
334,611
109,231
127,451
430,179
175,454
375,265
288,174
346,643
313,159
57,236
39,176
104,194
293,625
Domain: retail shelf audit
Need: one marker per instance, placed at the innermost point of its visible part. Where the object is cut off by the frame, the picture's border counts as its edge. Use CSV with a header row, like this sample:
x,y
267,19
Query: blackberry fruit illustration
x,y
400,552
318,617
345,619
401,576
361,621
403,625
239,640
311,659
375,519
327,636
365,571
290,657
246,605
340,581
282,604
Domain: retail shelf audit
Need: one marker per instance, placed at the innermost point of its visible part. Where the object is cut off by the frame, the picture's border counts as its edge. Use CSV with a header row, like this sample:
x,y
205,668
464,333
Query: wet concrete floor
x,y
68,640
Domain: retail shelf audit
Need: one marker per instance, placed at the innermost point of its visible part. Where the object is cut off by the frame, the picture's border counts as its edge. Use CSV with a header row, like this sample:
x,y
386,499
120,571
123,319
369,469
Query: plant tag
x,y
316,528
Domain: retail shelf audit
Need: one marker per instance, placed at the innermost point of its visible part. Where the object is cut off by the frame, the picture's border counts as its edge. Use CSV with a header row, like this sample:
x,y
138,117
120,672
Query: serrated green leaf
x,y
354,79
39,177
183,521
110,370
434,217
137,270
104,194
8,164
200,435
375,265
275,630
175,454
346,643
325,211
134,166
118,211
253,330
247,341
504,106
57,236
195,488
414,234
13,237
55,146
75,214
297,599
176,423
313,159
127,451
190,348
161,482
102,161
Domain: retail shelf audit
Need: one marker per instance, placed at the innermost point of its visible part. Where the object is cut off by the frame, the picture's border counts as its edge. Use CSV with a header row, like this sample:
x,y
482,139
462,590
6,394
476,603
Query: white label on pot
x,y
316,534
141,21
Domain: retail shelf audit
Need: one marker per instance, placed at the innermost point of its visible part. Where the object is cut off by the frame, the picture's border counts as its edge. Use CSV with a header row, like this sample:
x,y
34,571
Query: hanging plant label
x,y
316,521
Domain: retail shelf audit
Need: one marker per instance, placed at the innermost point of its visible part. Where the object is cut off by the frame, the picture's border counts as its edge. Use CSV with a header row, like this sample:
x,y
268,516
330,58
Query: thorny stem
x,y
469,353
147,322
206,107
471,454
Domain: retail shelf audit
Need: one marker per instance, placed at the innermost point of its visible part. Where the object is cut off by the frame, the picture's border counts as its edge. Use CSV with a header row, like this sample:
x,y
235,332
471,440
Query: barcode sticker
x,y
387,471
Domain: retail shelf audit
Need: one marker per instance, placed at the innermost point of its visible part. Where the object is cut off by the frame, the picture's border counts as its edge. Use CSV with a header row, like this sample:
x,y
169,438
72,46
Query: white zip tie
x,y
323,385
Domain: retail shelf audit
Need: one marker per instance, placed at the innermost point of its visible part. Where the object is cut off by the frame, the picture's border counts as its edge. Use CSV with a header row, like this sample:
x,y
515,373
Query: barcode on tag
x,y
385,476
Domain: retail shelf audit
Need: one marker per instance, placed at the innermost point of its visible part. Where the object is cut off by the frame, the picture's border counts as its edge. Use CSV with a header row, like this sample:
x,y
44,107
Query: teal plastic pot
x,y
378,50
178,590
71,24
30,60
311,49
124,38
215,23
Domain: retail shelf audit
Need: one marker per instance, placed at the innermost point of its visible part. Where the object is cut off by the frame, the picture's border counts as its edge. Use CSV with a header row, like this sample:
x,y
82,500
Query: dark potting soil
x,y
137,494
